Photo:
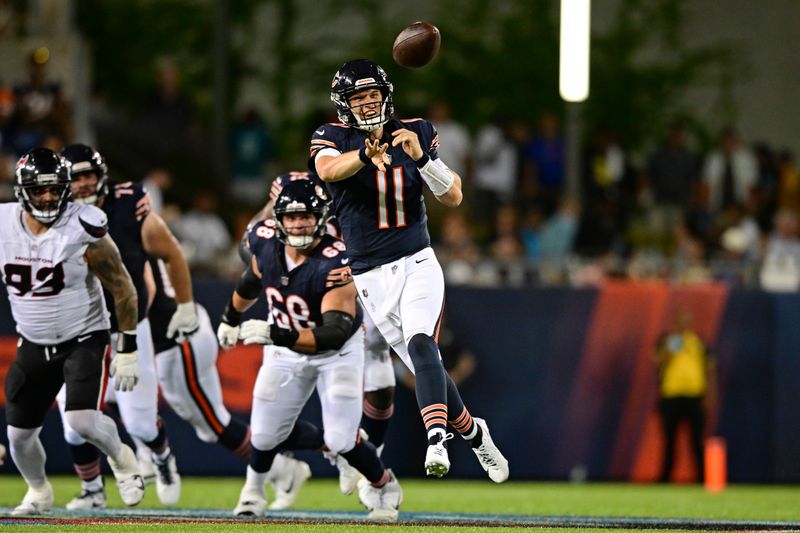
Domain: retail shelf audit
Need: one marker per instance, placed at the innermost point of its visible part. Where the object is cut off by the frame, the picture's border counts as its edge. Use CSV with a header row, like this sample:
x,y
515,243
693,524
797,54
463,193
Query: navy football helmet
x,y
37,171
300,195
84,159
355,76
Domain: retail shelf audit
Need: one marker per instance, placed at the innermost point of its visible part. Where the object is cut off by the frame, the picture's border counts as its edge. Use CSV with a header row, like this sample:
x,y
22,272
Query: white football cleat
x,y
252,502
36,501
348,476
489,455
126,472
146,468
288,483
168,481
89,499
437,462
383,503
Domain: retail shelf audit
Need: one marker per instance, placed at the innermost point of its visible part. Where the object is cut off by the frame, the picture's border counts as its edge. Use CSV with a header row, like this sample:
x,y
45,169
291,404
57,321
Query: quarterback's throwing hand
x,y
184,322
255,332
125,371
409,141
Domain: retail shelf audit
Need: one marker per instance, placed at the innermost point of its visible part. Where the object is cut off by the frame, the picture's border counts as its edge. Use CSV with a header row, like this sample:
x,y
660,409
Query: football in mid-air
x,y
417,45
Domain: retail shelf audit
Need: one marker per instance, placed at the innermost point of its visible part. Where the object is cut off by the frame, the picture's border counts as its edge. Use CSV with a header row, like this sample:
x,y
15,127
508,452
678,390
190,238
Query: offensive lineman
x,y
314,339
139,234
54,254
375,167
379,378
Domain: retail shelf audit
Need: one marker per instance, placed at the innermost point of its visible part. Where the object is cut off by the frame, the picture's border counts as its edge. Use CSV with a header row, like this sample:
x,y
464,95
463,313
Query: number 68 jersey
x,y
54,295
295,296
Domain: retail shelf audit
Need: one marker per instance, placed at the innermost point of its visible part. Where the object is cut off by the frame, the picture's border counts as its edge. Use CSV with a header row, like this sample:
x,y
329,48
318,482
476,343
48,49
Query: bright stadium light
x,y
573,78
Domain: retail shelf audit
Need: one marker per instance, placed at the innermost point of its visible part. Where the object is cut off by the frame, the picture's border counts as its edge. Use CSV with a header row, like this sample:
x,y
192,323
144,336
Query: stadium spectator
x,y
40,108
780,270
454,139
496,166
730,172
543,162
457,249
506,244
157,181
202,233
672,172
252,149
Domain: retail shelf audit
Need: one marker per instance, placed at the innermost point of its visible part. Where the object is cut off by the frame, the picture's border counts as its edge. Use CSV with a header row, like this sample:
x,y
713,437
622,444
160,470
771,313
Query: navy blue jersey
x,y
295,297
162,308
381,214
127,205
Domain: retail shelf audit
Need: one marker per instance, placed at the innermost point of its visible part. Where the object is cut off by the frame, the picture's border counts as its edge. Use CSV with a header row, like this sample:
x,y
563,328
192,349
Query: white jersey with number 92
x,y
54,296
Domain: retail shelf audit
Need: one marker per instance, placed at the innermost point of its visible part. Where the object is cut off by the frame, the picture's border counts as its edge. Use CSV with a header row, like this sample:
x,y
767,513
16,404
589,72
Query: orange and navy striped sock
x,y
465,425
435,417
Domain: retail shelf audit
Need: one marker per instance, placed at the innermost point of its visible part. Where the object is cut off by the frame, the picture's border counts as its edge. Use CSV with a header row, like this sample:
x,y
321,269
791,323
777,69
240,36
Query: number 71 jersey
x,y
381,214
54,295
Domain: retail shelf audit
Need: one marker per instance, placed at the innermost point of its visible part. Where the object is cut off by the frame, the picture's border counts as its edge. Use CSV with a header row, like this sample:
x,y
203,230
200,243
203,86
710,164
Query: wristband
x,y
126,342
230,315
422,161
283,337
362,155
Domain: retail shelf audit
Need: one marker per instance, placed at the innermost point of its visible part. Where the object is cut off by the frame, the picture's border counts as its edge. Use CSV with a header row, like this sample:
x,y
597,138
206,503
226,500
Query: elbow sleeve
x,y
336,328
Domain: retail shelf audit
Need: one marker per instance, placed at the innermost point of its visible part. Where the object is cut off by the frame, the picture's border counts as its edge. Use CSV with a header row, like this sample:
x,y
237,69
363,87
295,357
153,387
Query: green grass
x,y
742,502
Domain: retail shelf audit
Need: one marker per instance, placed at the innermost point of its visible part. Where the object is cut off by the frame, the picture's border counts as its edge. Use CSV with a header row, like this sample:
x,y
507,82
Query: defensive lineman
x,y
375,167
54,255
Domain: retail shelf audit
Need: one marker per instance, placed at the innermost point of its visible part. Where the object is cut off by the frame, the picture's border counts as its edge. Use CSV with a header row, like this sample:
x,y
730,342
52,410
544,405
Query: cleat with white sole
x,y
288,483
35,502
129,480
489,455
382,503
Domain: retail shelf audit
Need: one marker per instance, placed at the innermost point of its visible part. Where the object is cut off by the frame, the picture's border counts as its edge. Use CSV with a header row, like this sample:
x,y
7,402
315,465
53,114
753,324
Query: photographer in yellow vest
x,y
685,372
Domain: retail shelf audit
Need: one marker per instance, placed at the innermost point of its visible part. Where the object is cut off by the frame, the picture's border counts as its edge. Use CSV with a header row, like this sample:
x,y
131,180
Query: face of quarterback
x,y
366,104
84,188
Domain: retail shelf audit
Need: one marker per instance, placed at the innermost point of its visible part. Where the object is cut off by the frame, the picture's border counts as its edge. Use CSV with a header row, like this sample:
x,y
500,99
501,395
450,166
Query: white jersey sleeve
x,y
53,293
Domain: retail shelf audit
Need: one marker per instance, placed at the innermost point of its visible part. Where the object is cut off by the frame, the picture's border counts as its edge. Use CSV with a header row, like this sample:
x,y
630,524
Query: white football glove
x,y
255,332
227,335
184,322
125,371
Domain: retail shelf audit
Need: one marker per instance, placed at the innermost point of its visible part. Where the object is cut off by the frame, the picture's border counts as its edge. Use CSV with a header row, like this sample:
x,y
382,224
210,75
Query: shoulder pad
x,y
135,193
259,234
327,136
93,220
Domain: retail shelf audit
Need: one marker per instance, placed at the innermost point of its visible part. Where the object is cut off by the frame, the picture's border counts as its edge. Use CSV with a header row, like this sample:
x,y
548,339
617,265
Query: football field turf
x,y
434,505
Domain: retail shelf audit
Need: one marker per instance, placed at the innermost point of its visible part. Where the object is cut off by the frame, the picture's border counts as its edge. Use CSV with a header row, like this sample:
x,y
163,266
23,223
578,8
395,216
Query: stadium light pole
x,y
573,82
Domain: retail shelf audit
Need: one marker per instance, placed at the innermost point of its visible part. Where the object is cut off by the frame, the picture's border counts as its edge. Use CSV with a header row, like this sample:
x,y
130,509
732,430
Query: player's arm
x,y
244,296
339,167
444,183
159,242
338,312
104,260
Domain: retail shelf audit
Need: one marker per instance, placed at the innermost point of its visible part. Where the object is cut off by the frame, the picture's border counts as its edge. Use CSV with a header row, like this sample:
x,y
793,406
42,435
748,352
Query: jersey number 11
x,y
397,187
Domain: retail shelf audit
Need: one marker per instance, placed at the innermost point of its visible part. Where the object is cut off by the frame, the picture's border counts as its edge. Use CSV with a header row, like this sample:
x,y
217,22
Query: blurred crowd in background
x,y
672,211
664,193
